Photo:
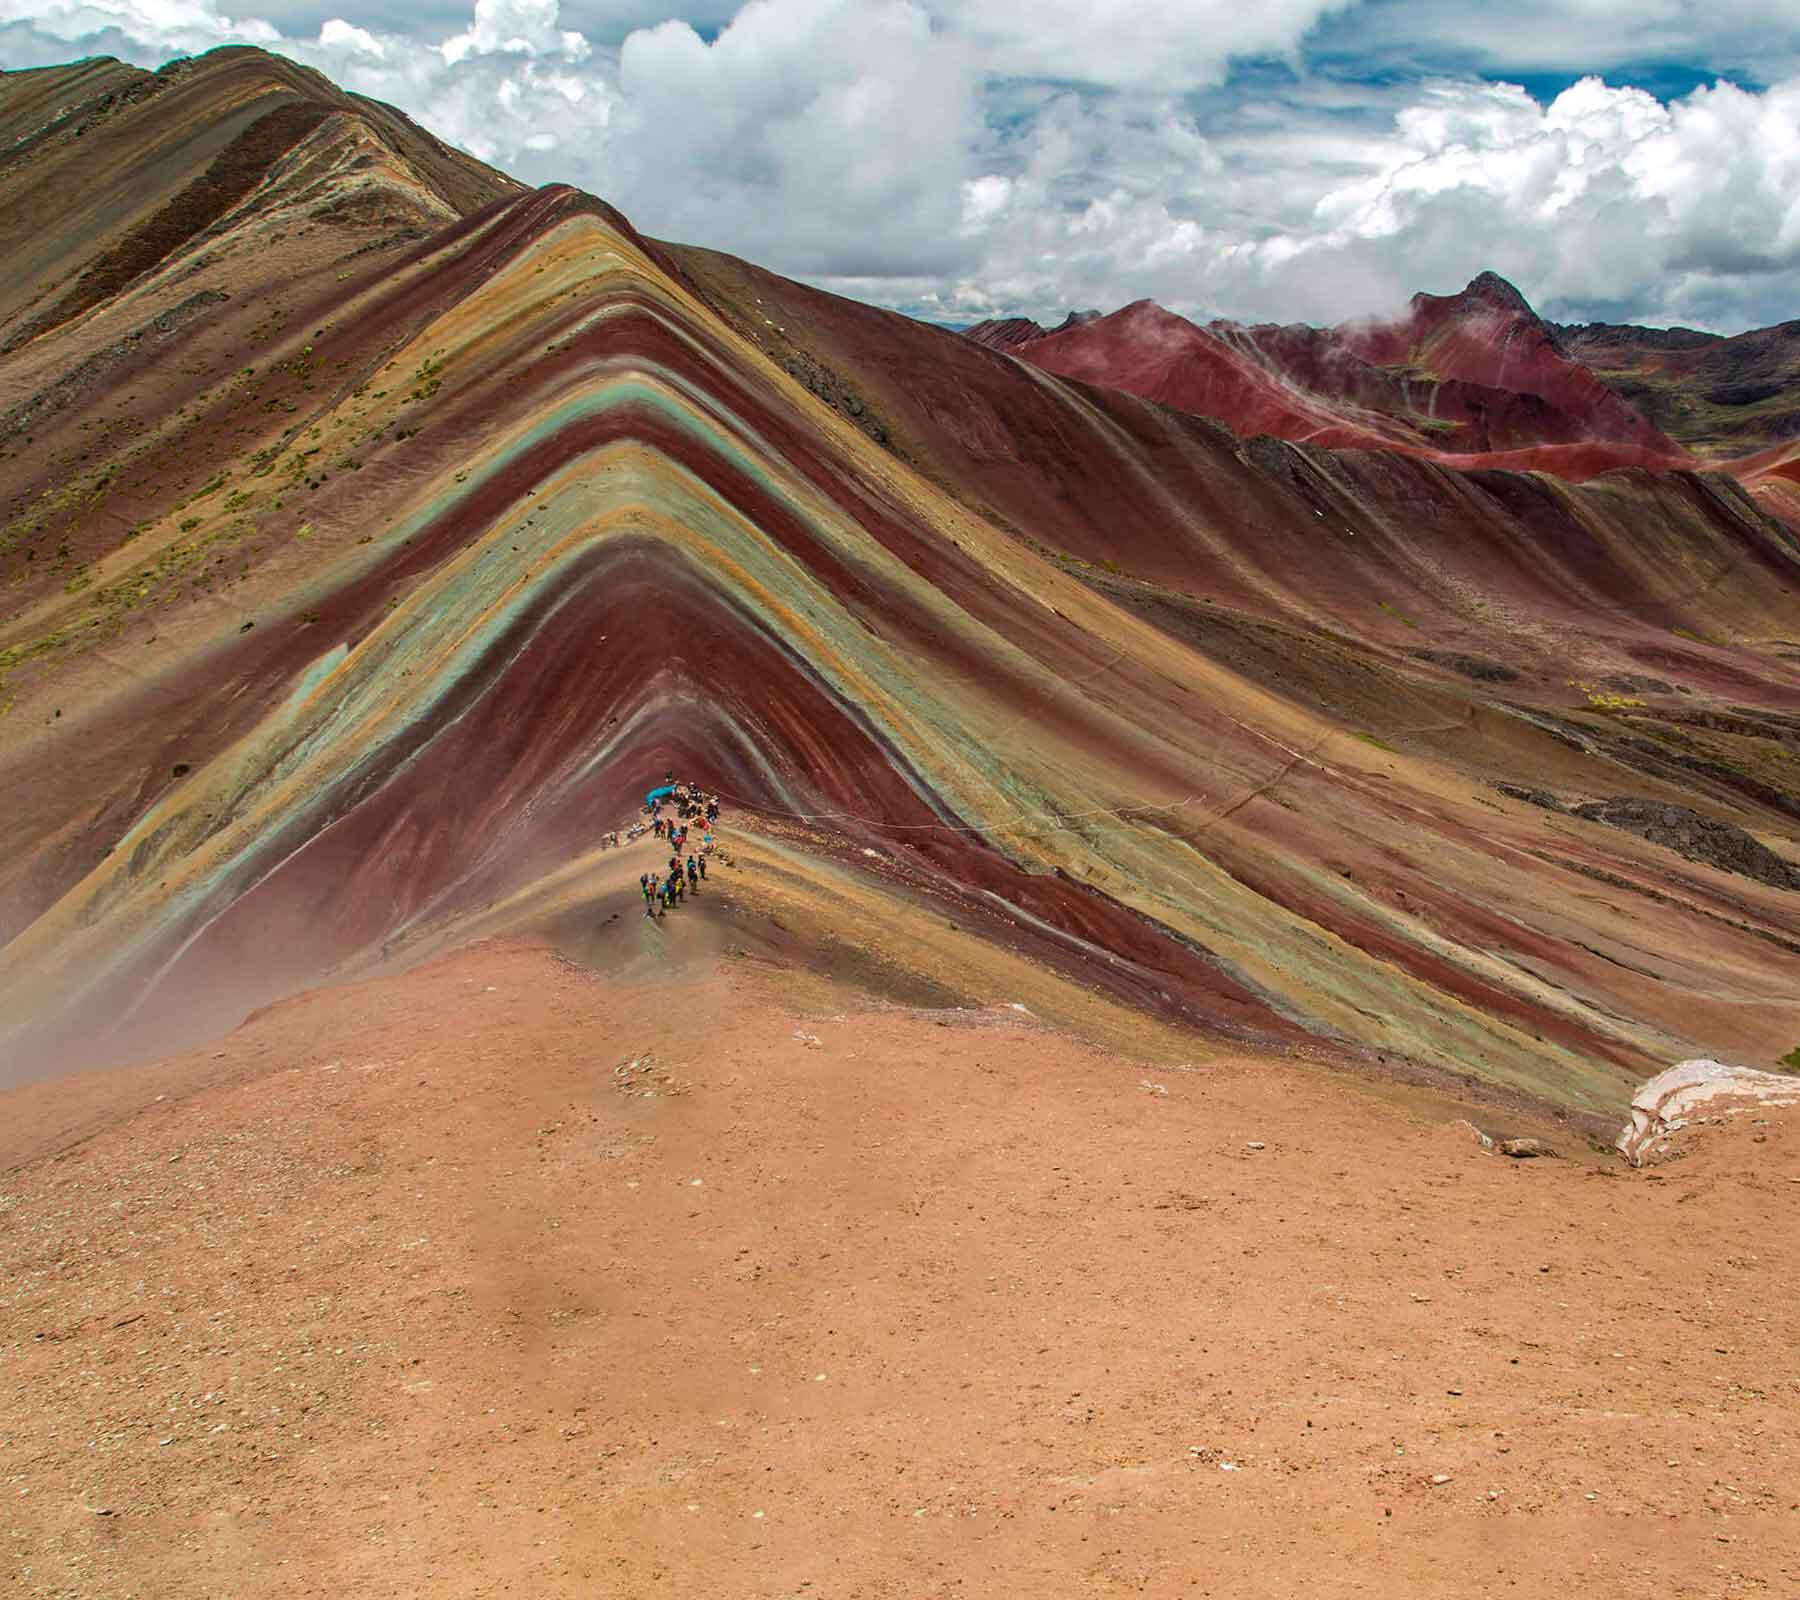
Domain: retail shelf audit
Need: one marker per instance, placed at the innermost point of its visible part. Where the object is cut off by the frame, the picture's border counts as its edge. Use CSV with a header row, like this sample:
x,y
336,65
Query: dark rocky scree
x,y
1479,668
821,381
1533,797
1715,844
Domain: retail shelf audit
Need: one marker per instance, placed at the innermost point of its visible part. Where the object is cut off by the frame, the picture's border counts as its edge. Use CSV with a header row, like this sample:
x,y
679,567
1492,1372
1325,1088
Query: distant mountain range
x,y
1474,374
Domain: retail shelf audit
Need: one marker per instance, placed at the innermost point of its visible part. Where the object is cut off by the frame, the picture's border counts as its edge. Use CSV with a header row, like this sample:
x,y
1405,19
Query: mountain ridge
x,y
352,606
1479,373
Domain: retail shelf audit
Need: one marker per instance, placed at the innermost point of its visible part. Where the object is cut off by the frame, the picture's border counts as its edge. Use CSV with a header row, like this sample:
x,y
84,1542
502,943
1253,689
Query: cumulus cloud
x,y
1605,196
163,27
1604,202
962,157
833,133
514,28
336,35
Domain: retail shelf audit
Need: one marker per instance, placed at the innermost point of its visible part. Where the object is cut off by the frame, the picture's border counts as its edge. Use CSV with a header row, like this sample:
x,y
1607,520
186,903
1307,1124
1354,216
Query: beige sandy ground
x,y
419,1287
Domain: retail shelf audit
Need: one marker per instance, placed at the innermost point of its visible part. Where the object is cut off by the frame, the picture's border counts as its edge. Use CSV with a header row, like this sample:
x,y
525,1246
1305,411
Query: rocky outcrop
x,y
1704,839
1696,1091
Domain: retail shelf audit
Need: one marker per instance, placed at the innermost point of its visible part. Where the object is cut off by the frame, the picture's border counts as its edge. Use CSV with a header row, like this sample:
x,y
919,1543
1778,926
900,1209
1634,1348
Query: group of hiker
x,y
664,891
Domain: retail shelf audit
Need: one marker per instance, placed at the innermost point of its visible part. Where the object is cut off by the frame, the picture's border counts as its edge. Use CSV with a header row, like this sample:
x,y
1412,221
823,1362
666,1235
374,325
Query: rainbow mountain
x,y
376,530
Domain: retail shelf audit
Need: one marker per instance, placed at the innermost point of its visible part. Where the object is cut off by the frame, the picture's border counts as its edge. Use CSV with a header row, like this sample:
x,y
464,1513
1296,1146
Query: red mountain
x,y
1489,336
1472,375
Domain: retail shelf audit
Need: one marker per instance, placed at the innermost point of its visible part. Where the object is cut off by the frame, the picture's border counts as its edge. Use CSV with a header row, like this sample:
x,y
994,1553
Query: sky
x,y
1267,160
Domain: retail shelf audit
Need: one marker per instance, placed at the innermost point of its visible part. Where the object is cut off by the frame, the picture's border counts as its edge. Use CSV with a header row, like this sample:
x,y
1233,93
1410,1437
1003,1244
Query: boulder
x,y
1697,1090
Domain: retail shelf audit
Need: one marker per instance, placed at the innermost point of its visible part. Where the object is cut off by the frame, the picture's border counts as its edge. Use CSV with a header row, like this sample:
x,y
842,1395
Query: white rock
x,y
1692,1090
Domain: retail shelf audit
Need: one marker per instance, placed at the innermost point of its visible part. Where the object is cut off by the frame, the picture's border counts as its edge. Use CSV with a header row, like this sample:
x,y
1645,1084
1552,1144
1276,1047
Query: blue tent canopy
x,y
656,794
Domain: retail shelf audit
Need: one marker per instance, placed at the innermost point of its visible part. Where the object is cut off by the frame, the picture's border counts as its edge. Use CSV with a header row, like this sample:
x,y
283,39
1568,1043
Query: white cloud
x,y
975,155
1606,195
337,34
831,133
165,26
514,28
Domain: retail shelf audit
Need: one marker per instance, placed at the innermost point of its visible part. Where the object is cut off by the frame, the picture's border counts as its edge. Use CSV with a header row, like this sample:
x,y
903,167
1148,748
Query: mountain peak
x,y
1493,290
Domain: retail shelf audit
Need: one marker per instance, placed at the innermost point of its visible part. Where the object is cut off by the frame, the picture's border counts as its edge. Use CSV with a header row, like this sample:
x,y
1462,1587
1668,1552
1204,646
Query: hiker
x,y
648,891
693,875
702,866
667,896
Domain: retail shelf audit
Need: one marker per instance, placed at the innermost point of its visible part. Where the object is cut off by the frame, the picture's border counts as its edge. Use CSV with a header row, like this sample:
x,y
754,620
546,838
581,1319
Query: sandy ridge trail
x,y
420,1286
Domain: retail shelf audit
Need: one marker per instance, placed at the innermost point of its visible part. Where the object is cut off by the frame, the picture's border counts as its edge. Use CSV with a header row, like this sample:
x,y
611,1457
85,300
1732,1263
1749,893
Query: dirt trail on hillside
x,y
501,1278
